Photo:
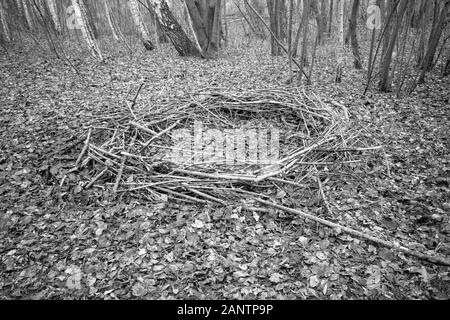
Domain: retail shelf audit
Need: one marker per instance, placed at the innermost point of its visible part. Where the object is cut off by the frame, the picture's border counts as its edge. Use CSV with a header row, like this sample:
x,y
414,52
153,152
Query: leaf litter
x,y
60,242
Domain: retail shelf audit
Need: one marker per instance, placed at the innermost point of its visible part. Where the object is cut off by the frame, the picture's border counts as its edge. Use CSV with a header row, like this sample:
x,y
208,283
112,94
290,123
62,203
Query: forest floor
x,y
59,244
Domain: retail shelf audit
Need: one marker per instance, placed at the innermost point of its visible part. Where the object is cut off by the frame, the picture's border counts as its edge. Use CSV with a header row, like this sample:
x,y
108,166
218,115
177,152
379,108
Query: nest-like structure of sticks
x,y
127,150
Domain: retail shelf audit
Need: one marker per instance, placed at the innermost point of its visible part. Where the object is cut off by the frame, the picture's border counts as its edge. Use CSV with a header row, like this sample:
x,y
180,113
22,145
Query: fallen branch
x,y
86,145
359,234
137,125
122,166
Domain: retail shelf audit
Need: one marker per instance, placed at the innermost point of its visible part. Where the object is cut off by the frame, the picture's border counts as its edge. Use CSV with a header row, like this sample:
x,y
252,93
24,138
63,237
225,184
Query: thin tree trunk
x,y
385,84
27,14
342,22
54,13
330,18
291,14
299,32
214,43
446,70
6,31
139,22
91,18
173,30
206,18
390,9
282,18
323,20
278,41
305,19
372,47
313,59
86,29
114,25
225,22
274,16
110,20
433,41
198,23
353,35
161,37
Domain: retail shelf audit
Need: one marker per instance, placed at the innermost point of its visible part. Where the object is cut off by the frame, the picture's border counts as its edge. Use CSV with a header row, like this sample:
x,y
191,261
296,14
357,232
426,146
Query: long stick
x,y
160,134
122,166
86,145
359,234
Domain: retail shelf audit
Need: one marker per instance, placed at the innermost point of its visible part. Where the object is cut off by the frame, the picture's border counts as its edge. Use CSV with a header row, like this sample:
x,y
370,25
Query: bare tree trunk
x,y
252,19
423,30
305,22
206,22
446,70
109,18
330,18
385,84
114,25
197,22
372,47
139,22
342,21
282,18
27,14
390,8
322,21
353,35
273,17
299,31
161,37
226,21
90,14
173,30
6,31
291,16
214,43
54,13
313,59
86,29
435,36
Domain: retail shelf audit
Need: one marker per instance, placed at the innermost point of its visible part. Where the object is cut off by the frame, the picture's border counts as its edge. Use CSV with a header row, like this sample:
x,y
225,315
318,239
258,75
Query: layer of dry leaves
x,y
58,242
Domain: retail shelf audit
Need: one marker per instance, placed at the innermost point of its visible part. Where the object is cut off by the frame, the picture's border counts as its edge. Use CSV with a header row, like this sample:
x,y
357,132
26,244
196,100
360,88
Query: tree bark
x,y
54,13
299,31
423,30
353,35
446,70
305,21
435,36
86,28
385,84
173,30
6,31
214,43
342,21
206,22
111,22
139,22
330,18
27,14
274,8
